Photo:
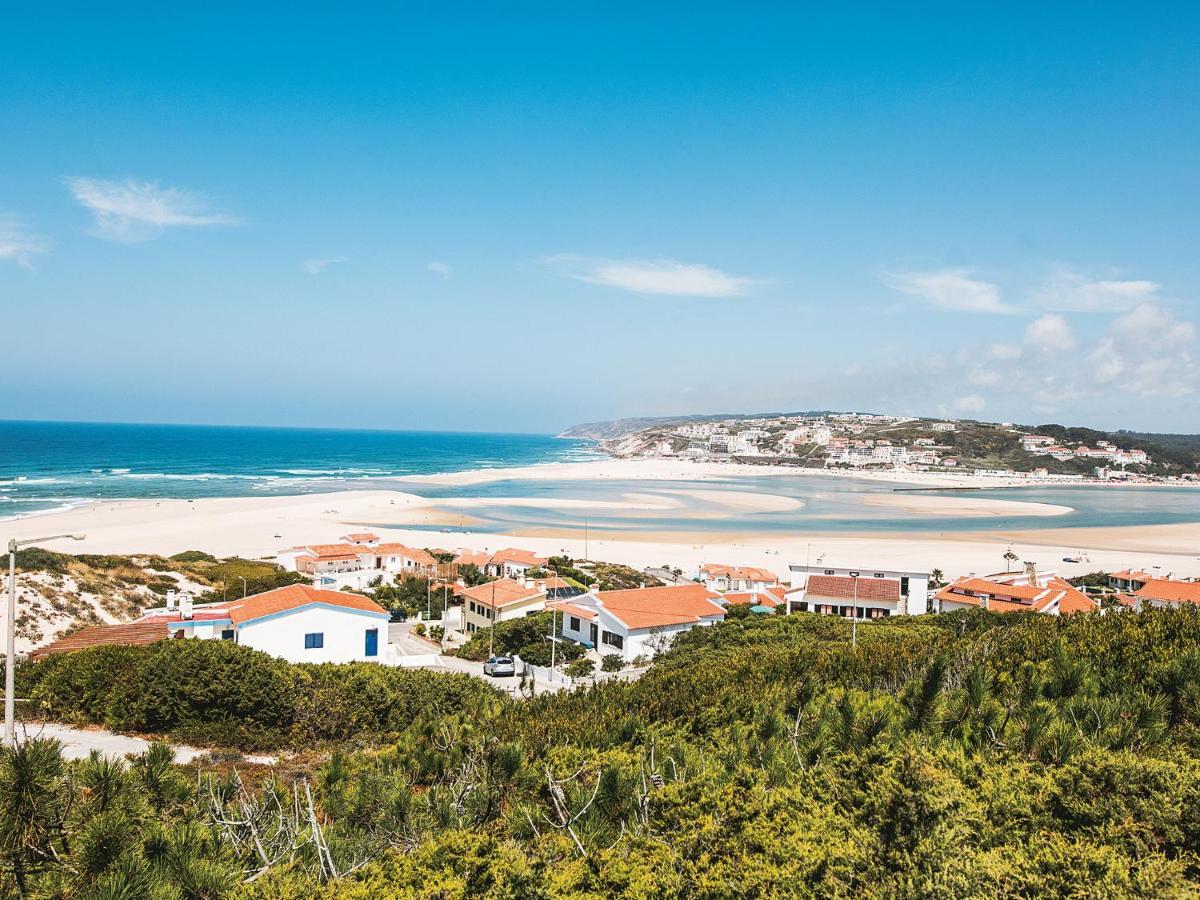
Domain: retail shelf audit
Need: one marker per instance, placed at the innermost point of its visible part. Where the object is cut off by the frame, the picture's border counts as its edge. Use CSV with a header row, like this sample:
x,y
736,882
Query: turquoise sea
x,y
44,466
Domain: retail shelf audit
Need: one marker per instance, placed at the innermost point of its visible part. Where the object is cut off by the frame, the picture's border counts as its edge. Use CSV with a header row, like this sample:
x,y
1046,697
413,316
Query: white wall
x,y
344,630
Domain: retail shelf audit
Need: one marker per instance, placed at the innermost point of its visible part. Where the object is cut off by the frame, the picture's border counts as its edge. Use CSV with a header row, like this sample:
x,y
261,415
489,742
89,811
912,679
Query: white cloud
x,y
1049,333
437,267
971,403
1071,291
651,276
18,244
949,289
142,210
317,266
1152,324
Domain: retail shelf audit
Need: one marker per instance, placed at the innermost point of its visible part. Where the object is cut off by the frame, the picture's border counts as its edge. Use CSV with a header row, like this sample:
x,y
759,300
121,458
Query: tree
x,y
1009,559
937,579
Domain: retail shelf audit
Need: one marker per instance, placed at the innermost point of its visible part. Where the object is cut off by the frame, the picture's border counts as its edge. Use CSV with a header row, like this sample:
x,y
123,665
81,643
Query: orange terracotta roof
x,y
336,551
568,608
652,607
412,553
842,587
514,555
1169,591
500,593
551,583
471,558
295,596
1131,575
362,536
1018,597
129,634
751,573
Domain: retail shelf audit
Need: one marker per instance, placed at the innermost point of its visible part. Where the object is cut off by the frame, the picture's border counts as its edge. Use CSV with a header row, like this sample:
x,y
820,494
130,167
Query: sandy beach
x,y
259,526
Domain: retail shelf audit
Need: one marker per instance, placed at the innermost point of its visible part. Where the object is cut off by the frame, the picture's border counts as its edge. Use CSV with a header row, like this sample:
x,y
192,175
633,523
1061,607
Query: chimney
x,y
185,605
171,601
985,601
1031,573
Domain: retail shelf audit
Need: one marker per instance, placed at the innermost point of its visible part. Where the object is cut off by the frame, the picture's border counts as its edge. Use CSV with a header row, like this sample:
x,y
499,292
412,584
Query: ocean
x,y
53,465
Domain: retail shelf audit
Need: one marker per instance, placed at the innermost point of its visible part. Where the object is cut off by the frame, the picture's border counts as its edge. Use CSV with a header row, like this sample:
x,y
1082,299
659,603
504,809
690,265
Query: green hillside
x,y
957,756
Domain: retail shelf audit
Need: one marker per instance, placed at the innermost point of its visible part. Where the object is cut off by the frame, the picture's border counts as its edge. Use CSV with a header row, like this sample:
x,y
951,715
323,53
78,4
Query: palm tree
x,y
1009,559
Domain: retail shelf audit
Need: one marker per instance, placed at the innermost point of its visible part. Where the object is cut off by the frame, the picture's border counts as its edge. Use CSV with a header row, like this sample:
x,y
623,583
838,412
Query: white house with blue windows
x,y
297,623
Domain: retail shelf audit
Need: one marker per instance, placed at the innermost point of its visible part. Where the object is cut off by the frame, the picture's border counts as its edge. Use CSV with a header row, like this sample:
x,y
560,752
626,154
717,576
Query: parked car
x,y
500,667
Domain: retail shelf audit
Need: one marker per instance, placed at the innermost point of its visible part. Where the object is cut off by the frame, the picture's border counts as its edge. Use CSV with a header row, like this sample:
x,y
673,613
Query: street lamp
x,y
854,613
10,645
244,586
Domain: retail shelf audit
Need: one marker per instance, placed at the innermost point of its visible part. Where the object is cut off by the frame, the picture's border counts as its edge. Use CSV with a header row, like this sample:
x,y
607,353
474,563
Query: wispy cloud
x,y
18,244
1069,290
651,276
142,210
1049,333
317,266
437,267
955,289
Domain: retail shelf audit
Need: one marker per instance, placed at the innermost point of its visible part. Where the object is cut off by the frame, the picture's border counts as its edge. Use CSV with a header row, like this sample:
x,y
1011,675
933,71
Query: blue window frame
x,y
314,641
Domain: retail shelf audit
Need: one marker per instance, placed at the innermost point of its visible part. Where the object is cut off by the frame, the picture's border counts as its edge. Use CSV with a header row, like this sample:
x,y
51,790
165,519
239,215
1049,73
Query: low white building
x,y
638,622
513,563
297,623
720,577
837,590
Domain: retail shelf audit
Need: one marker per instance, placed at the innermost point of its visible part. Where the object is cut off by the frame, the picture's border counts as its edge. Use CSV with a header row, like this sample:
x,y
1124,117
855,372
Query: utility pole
x,y
585,537
10,634
854,613
492,627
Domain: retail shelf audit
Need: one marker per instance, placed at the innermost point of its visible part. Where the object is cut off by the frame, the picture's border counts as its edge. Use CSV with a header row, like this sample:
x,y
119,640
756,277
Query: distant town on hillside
x,y
870,441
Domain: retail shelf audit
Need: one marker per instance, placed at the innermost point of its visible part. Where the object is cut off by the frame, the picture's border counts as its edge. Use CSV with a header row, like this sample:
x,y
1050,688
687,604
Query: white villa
x,y
297,623
720,577
638,622
837,590
499,601
358,553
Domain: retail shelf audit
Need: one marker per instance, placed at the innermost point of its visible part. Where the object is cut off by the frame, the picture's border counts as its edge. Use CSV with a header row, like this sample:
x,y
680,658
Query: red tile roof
x,y
522,557
292,597
841,587
471,558
566,607
654,607
129,634
418,556
762,598
746,573
1169,591
1018,597
500,593
362,536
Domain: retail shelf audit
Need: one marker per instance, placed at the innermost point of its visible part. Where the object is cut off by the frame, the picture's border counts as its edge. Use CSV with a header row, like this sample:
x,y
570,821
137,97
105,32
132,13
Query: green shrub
x,y
192,556
612,662
580,668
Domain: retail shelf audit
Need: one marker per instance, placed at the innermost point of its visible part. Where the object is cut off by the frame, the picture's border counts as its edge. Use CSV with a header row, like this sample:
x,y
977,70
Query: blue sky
x,y
464,217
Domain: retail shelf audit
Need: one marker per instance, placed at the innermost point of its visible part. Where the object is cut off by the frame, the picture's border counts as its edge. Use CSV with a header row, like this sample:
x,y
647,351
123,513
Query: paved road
x,y
77,743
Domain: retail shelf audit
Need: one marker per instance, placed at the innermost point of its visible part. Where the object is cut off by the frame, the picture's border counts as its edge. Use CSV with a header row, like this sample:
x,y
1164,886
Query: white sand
x,y
259,526
924,505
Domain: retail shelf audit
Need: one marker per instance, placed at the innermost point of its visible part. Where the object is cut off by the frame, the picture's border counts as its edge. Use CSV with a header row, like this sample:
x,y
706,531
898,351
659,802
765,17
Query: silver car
x,y
499,667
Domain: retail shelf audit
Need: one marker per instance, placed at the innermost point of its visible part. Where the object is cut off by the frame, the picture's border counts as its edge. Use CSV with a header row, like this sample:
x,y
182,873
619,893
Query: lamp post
x,y
244,586
854,613
10,644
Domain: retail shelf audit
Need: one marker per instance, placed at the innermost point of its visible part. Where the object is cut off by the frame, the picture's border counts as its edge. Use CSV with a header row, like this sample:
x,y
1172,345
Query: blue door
x,y
372,642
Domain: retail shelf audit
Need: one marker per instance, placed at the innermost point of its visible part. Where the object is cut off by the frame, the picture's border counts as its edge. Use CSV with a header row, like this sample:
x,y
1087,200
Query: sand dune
x,y
925,505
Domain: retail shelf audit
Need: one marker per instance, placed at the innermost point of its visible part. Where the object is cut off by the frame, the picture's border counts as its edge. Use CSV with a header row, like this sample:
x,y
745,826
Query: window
x,y
574,623
829,571
314,640
227,634
613,640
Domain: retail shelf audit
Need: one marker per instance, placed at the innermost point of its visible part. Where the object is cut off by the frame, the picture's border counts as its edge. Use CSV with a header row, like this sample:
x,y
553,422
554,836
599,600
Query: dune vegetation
x,y
964,755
